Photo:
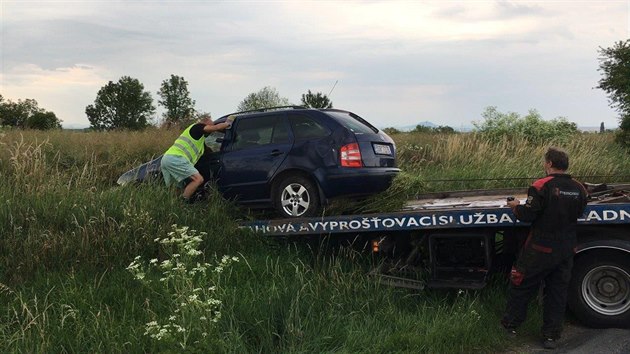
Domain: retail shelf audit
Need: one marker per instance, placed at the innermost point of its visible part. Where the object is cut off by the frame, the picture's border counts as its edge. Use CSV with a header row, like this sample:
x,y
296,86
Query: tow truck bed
x,y
456,239
461,210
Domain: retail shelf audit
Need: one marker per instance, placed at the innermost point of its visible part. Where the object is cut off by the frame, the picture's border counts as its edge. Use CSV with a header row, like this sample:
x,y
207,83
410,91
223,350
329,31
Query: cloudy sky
x,y
396,63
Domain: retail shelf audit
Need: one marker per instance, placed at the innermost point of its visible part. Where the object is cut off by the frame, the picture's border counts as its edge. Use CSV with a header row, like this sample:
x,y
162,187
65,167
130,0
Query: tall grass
x,y
442,162
68,233
279,304
461,161
68,153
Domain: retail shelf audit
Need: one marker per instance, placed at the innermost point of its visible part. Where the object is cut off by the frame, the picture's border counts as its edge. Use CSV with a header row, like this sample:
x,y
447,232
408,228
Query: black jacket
x,y
554,204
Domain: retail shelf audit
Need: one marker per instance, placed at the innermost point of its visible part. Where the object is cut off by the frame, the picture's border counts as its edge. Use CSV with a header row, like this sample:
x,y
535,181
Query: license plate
x,y
380,149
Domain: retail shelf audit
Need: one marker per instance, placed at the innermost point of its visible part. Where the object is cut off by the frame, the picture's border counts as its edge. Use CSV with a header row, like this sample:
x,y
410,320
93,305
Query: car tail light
x,y
351,155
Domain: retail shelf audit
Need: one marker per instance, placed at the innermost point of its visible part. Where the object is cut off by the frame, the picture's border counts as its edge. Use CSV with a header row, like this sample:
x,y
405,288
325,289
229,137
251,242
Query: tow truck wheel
x,y
295,195
599,293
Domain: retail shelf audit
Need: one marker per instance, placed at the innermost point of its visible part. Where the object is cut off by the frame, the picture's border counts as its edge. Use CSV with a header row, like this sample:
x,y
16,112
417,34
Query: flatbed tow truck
x,y
458,239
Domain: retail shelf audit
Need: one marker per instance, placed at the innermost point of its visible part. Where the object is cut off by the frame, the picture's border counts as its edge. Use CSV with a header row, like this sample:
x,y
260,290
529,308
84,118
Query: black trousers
x,y
556,282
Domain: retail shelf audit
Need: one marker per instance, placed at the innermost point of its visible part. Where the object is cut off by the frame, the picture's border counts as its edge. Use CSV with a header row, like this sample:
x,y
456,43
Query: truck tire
x,y
599,292
296,196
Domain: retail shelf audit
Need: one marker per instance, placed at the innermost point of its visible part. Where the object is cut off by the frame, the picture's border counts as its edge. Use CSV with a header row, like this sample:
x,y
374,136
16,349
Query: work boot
x,y
550,343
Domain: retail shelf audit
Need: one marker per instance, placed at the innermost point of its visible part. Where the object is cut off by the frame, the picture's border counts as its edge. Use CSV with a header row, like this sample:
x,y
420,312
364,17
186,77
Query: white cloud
x,y
65,91
443,61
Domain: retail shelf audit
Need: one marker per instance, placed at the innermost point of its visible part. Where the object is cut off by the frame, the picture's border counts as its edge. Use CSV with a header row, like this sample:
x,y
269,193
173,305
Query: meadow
x,y
89,266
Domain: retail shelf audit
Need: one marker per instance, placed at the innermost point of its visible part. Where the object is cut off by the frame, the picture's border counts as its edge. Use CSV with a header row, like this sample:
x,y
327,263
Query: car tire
x,y
599,292
296,196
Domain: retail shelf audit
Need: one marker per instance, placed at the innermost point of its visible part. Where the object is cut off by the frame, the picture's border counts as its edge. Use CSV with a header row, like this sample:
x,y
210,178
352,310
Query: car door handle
x,y
276,152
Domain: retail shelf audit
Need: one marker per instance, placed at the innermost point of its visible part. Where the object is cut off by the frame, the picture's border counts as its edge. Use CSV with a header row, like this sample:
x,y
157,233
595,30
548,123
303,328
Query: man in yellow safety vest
x,y
178,162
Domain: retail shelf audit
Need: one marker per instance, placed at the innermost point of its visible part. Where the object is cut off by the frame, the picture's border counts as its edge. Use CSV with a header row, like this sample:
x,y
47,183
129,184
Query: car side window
x,y
211,140
304,127
280,132
256,131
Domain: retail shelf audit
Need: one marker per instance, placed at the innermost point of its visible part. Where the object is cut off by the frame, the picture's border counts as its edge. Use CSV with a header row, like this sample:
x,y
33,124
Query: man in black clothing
x,y
553,205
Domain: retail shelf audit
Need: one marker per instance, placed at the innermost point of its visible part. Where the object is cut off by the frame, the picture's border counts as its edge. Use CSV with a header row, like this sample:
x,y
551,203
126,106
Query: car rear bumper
x,y
351,182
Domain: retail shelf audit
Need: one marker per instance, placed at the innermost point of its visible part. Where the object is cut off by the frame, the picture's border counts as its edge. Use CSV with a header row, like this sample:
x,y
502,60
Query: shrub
x,y
391,131
531,128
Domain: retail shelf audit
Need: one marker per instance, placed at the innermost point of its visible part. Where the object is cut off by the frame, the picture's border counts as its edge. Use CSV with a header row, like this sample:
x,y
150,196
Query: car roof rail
x,y
335,110
266,109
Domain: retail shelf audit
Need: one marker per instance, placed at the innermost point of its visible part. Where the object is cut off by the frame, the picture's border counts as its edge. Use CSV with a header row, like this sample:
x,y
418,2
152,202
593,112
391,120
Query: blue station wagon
x,y
294,159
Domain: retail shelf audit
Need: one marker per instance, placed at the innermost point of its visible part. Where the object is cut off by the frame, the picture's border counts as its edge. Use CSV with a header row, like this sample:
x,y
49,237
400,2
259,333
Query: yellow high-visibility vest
x,y
187,147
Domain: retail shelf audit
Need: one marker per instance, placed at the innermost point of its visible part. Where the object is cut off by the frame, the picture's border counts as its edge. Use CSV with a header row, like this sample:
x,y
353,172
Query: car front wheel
x,y
296,196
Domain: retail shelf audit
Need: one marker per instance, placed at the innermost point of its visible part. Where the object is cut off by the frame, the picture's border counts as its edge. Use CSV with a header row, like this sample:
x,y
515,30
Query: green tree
x,y
15,114
121,105
175,97
10,114
26,114
265,98
316,100
43,120
614,64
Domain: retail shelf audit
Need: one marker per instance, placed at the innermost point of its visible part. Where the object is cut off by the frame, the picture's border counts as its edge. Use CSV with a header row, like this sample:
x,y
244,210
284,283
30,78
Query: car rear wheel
x,y
599,294
296,196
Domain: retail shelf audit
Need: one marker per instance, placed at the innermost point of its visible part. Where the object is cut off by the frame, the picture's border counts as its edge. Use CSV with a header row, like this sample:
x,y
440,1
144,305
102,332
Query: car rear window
x,y
353,122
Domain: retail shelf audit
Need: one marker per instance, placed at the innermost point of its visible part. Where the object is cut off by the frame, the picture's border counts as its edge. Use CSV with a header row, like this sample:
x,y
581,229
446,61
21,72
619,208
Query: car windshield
x,y
353,122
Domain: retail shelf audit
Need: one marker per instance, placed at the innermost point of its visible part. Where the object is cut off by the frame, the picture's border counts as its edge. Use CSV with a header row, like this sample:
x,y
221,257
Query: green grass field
x,y
69,236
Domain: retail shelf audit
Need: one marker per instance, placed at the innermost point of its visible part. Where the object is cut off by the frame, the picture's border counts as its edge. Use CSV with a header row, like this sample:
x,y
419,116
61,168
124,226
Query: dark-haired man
x,y
178,162
553,205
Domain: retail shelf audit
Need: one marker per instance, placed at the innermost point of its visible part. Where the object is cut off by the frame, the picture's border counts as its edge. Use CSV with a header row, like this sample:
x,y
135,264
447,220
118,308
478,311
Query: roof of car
x,y
301,108
278,108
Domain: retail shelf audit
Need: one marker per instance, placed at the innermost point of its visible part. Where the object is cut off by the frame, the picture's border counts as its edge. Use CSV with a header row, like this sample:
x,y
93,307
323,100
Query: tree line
x,y
26,114
126,105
